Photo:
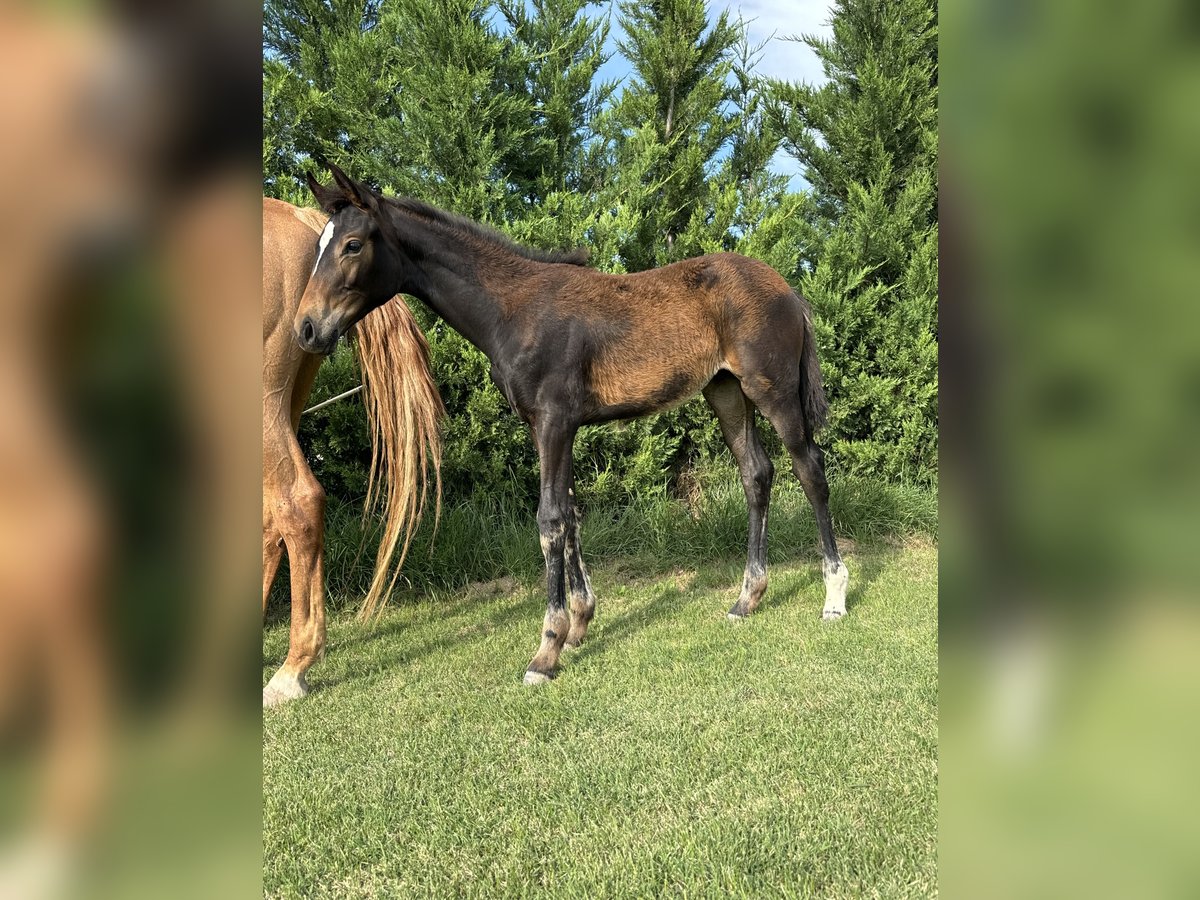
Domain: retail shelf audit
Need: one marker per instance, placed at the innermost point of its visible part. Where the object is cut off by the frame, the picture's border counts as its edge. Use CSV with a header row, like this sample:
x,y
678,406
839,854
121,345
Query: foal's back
x,y
661,335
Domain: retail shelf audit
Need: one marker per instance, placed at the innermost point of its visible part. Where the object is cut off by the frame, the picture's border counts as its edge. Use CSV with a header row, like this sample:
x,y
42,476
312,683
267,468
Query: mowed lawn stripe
x,y
677,751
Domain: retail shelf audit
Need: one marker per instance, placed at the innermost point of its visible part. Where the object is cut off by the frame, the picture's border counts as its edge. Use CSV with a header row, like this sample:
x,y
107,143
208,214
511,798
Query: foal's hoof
x,y
283,687
830,614
536,678
739,612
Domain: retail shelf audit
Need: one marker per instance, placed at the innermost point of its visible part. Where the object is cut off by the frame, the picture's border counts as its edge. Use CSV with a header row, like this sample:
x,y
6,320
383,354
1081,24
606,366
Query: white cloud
x,y
788,60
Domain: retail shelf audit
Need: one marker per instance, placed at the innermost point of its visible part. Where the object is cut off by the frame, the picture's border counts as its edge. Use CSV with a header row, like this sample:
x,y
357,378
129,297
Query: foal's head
x,y
357,268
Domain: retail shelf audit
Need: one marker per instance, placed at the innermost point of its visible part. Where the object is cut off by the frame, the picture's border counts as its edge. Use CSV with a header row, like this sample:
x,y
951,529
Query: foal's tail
x,y
404,411
812,388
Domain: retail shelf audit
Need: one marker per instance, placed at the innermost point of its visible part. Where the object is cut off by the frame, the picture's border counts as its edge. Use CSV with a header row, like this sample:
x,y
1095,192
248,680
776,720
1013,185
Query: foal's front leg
x,y
583,601
554,519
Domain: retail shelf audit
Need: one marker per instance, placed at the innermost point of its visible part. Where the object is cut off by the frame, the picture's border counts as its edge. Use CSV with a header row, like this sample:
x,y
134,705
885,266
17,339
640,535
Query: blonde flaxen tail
x,y
404,412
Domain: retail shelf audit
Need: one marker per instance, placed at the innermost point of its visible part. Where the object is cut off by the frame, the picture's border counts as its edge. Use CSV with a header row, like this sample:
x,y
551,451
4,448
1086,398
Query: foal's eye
x,y
353,246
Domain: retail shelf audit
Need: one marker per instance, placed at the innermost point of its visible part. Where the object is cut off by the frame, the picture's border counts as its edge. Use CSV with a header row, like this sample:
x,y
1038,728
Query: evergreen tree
x,y
672,121
494,109
412,95
561,169
868,141
749,208
563,49
465,131
330,81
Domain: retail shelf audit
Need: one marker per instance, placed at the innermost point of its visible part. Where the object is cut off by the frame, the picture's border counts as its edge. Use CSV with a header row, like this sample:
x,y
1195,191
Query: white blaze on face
x,y
326,237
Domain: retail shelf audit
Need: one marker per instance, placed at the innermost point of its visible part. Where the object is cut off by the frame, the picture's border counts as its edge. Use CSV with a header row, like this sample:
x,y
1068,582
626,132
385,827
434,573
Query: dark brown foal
x,y
571,346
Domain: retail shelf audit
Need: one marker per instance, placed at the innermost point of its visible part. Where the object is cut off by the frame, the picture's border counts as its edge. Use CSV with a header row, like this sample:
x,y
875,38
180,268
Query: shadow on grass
x,y
613,632
867,568
487,537
720,574
481,618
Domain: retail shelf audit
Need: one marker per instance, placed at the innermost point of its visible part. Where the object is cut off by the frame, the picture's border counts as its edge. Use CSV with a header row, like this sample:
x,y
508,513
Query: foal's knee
x,y
553,521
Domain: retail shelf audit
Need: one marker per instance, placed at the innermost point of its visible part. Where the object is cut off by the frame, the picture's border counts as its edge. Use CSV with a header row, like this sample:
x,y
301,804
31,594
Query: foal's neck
x,y
465,282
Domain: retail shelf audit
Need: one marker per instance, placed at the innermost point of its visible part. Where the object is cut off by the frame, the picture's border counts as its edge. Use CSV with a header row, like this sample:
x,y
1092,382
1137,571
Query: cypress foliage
x,y
465,131
331,79
495,109
675,118
562,49
868,142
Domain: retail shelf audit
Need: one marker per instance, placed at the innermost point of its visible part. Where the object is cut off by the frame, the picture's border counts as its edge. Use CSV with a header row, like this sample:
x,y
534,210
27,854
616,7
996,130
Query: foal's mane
x,y
461,225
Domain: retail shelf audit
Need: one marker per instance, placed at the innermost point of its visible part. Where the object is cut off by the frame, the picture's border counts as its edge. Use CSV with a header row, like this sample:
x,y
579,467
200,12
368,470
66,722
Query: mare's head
x,y
358,268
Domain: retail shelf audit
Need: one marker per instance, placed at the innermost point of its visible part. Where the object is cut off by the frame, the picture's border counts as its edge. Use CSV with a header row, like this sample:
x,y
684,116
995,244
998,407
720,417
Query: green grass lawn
x,y
676,754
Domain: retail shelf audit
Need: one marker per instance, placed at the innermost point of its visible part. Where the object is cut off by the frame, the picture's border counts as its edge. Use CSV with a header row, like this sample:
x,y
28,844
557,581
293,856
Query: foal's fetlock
x,y
581,617
544,665
754,586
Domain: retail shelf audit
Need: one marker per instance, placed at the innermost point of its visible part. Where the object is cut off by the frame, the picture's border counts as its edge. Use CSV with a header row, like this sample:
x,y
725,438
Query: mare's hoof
x,y
830,615
283,687
536,678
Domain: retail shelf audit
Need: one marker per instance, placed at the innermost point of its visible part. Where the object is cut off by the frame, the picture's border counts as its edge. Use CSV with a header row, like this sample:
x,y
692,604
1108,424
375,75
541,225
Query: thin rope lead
x,y
341,396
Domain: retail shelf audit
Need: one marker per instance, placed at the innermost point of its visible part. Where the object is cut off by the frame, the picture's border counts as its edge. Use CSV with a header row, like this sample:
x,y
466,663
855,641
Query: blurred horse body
x,y
403,409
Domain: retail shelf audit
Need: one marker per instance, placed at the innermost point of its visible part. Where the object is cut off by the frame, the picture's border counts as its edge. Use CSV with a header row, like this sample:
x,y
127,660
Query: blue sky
x,y
768,21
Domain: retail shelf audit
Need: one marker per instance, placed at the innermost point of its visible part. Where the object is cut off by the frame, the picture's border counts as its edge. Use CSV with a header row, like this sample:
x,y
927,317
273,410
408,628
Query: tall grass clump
x,y
492,535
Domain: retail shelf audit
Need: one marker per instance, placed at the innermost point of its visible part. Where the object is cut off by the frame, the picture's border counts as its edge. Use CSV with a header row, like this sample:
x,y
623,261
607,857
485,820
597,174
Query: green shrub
x,y
335,438
489,535
673,162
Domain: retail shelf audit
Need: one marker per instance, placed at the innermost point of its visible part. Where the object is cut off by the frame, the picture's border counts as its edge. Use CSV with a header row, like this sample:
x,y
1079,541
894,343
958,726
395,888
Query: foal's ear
x,y
355,191
330,198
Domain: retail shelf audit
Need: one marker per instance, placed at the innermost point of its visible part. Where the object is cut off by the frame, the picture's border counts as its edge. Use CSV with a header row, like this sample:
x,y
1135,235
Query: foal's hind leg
x,y
782,407
736,415
583,601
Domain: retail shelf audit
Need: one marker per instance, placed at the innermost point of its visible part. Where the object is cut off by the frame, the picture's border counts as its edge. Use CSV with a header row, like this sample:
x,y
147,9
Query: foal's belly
x,y
637,385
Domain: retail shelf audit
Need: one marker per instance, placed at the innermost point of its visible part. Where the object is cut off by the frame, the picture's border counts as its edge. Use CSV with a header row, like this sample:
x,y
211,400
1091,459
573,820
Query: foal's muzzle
x,y
312,338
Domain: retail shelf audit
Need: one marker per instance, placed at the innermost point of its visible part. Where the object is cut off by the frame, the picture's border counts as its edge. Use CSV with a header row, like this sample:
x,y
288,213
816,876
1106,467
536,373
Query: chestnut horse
x,y
403,408
570,346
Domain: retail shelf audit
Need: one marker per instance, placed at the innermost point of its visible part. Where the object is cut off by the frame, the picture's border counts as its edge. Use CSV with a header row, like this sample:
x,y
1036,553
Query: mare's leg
x,y
736,415
781,405
277,463
278,466
583,601
272,556
300,516
554,519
